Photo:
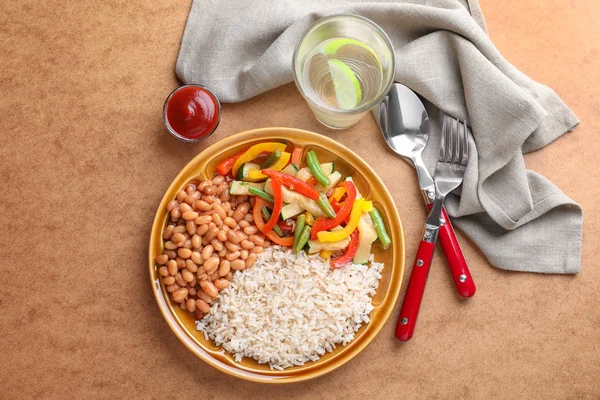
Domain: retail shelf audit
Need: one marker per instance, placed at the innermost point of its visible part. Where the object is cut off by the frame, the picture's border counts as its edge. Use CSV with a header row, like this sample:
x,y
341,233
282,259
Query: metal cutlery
x,y
404,123
449,174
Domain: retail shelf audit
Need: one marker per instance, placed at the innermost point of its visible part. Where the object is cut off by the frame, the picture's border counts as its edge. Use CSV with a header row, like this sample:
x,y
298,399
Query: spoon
x,y
404,123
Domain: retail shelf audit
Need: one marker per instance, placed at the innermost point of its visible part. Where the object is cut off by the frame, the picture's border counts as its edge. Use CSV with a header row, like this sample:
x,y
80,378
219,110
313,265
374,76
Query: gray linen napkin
x,y
520,220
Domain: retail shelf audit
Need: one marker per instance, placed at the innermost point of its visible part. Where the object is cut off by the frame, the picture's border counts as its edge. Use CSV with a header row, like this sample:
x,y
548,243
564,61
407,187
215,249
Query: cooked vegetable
x,y
260,193
267,217
304,173
366,236
323,202
260,224
277,205
302,239
292,183
334,179
290,210
284,226
323,224
296,198
272,159
297,157
300,224
358,208
314,246
225,166
244,171
349,254
338,192
254,152
239,188
278,166
384,238
291,169
315,168
325,254
310,220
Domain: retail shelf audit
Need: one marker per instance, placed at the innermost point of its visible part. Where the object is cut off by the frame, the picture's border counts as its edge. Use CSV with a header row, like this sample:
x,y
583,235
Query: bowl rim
x,y
388,303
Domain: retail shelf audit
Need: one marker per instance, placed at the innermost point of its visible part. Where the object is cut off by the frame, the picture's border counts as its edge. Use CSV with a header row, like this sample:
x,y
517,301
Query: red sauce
x,y
192,112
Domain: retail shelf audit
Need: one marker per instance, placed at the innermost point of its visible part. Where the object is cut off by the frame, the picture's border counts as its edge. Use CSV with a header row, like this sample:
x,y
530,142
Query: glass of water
x,y
343,66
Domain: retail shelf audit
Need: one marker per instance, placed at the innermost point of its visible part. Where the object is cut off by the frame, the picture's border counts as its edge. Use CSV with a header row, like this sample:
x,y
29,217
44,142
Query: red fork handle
x,y
414,292
455,259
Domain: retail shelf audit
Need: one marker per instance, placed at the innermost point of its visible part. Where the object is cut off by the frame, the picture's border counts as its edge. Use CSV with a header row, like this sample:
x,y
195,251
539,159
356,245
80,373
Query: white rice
x,y
289,309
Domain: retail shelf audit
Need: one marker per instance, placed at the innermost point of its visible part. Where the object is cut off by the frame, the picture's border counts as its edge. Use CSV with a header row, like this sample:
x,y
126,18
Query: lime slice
x,y
346,84
333,45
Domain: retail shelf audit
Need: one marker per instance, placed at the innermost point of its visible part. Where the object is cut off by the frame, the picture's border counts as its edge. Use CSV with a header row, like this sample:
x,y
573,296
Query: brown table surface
x,y
85,160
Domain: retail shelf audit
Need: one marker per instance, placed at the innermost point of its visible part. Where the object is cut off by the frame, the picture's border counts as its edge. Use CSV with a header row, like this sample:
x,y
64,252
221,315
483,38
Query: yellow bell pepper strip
x,y
349,254
338,192
359,206
326,254
254,152
257,175
260,224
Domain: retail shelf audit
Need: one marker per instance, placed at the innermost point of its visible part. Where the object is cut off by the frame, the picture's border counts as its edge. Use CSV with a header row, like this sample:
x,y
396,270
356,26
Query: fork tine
x,y
455,142
443,139
464,139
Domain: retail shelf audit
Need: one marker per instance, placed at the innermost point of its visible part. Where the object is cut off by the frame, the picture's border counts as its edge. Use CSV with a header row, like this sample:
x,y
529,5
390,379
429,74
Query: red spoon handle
x,y
414,292
455,259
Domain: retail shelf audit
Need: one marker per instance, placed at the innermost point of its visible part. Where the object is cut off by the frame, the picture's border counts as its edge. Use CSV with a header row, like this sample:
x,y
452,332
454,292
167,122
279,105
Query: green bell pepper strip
x,y
384,238
315,168
260,193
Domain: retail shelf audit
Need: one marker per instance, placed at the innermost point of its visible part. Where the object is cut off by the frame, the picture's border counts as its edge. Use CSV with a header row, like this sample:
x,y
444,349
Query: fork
x,y
449,174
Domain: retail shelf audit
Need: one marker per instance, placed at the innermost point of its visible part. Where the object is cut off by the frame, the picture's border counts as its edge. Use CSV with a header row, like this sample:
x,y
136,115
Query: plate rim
x,y
393,291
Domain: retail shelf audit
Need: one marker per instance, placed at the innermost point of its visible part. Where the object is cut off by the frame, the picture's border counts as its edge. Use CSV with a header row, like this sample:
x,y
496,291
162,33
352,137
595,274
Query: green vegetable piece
x,y
300,224
315,168
323,202
303,239
384,238
267,216
272,159
260,193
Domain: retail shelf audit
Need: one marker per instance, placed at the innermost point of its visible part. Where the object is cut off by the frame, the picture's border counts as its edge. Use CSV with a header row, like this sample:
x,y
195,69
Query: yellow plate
x,y
371,187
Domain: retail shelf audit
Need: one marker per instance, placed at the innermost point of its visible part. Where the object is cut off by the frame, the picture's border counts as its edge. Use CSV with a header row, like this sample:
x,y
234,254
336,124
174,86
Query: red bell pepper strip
x,y
296,157
225,166
326,224
260,224
285,227
312,181
335,205
277,206
349,254
292,183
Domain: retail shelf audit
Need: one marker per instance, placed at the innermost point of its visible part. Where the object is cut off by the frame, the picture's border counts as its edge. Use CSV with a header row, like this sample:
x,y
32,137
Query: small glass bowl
x,y
170,128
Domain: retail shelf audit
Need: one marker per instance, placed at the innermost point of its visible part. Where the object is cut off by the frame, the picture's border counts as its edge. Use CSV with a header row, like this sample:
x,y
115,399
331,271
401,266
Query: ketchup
x,y
192,112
